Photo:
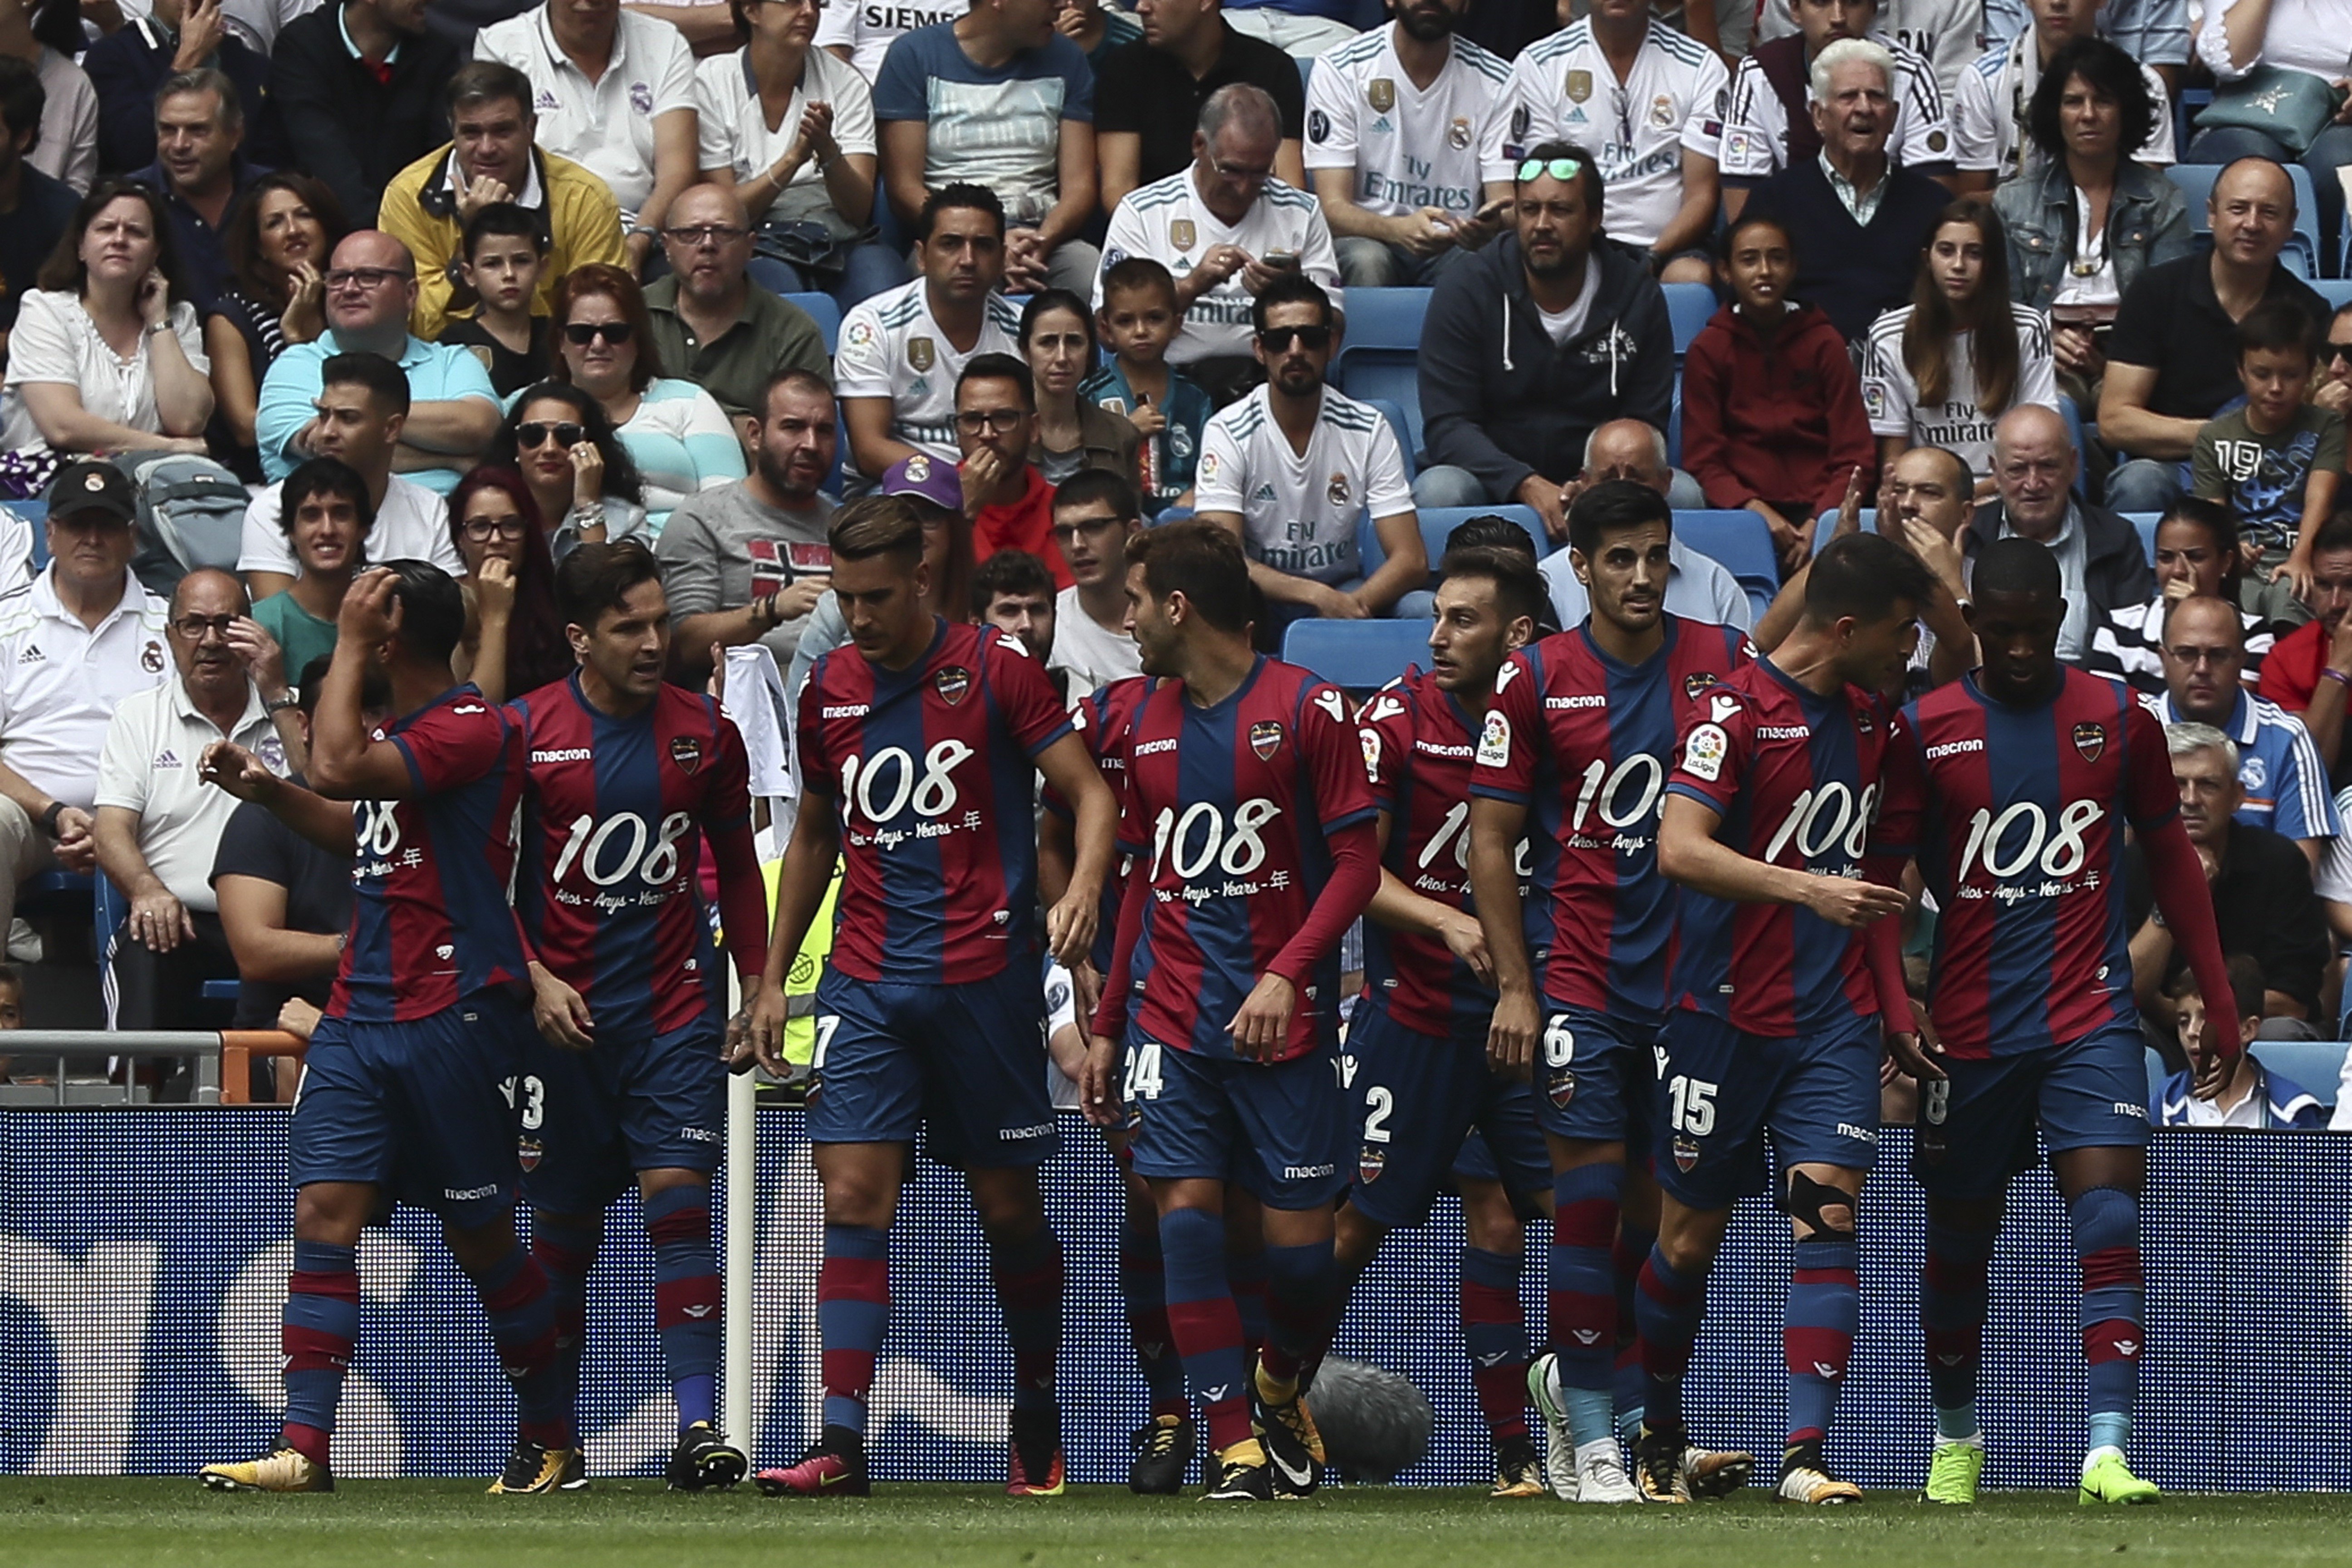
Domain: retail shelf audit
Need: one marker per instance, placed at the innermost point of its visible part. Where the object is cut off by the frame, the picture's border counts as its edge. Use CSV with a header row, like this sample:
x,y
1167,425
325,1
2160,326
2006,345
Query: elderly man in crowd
x,y
159,825
1698,587
711,323
200,171
2100,558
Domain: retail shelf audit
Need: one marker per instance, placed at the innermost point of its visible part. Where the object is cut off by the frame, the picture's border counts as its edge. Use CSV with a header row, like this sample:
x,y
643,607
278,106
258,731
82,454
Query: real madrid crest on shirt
x,y
1578,86
1457,134
1181,232
1661,112
1380,94
1337,489
921,353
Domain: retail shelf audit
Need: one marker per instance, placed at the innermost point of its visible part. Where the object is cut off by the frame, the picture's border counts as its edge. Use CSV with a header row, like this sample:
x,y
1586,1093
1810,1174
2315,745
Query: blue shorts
x,y
592,1120
424,1110
1975,1128
1721,1091
1421,1097
1593,1078
1507,1140
1275,1129
965,1064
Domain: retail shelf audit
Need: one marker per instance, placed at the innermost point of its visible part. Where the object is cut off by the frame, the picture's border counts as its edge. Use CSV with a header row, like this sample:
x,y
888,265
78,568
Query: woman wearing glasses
x,y
106,355
790,128
514,639
676,431
572,458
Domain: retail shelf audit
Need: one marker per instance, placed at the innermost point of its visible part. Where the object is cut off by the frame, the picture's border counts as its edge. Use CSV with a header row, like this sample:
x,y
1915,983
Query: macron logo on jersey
x,y
566,754
1953,749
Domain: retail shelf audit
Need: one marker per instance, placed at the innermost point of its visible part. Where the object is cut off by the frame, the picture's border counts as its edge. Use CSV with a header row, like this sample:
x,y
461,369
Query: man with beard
x,y
713,325
1537,342
748,562
1291,467
1399,172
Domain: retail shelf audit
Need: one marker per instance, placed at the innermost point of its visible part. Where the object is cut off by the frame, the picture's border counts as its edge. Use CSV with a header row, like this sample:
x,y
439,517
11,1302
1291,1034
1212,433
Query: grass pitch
x,y
47,1521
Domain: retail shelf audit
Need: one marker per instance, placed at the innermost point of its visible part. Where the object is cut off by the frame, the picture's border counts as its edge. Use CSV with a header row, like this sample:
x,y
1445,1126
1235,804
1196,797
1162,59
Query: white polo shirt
x,y
1405,148
1563,89
60,681
148,766
1167,221
892,347
606,124
413,524
1756,128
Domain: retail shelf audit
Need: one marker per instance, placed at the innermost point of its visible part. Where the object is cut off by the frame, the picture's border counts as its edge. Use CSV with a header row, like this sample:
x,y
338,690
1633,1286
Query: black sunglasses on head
x,y
1278,339
585,332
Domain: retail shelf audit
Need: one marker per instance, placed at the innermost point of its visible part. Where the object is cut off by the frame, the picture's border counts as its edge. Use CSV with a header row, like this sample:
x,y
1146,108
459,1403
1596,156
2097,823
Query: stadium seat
x,y
1379,353
824,312
2316,1065
1690,306
2146,523
1408,440
2196,183
220,990
1741,542
1361,655
2336,291
35,513
1437,522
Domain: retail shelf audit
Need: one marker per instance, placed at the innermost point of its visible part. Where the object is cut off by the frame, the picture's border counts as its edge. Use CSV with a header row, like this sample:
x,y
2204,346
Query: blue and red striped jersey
x,y
2017,817
1585,742
615,810
1417,742
1796,778
933,771
430,920
1228,810
1101,718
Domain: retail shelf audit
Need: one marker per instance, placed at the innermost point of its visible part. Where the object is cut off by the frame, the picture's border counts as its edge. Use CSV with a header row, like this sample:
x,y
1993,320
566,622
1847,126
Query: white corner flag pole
x,y
742,1264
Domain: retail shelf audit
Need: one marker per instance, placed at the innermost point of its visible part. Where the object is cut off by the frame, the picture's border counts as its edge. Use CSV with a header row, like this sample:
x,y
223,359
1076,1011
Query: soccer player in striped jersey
x,y
1252,822
919,750
627,777
1580,734
1418,1044
2014,787
1787,969
407,1090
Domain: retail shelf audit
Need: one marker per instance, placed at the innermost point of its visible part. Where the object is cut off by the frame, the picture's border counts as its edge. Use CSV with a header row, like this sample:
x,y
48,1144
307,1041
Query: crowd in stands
x,y
475,281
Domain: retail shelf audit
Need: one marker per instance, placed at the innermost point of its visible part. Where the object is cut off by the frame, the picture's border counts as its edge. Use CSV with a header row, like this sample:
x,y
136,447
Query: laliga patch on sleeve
x,y
1495,742
1703,753
1874,399
1371,753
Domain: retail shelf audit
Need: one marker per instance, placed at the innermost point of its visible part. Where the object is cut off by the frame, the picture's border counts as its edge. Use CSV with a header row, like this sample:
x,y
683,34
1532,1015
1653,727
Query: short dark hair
x,y
798,380
1518,586
1613,504
431,610
2109,72
1133,274
324,475
229,111
503,218
2248,988
486,81
958,194
2335,534
1000,367
2274,325
12,979
22,98
1588,173
1750,218
1088,486
876,525
1202,561
1865,576
2017,565
1291,287
1009,572
595,578
385,382
1490,531
376,687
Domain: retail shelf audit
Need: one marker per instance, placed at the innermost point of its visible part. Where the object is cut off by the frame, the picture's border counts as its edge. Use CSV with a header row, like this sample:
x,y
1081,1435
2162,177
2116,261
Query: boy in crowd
x,y
2245,1094
2275,461
504,255
1139,319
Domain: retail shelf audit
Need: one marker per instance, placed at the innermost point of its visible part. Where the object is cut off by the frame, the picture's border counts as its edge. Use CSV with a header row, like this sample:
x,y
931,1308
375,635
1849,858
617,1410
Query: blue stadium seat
x,y
1380,353
1437,522
220,990
1824,524
2196,183
2316,1065
36,513
1361,655
1408,438
1689,306
824,312
1741,542
2146,523
2338,292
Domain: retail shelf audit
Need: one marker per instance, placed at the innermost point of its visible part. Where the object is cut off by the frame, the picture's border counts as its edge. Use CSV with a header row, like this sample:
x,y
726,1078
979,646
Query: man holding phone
x,y
1394,123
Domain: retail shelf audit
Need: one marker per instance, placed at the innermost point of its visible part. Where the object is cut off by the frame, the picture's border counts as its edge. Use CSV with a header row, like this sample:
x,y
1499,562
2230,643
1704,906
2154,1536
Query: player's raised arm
x,y
326,823
400,619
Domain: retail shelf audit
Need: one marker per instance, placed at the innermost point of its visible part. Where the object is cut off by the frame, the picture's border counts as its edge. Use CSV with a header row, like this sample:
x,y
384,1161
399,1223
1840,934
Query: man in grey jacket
x,y
1537,341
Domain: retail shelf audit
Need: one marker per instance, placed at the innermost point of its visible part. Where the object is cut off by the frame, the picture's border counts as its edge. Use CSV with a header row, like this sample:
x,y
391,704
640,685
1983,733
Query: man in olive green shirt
x,y
714,326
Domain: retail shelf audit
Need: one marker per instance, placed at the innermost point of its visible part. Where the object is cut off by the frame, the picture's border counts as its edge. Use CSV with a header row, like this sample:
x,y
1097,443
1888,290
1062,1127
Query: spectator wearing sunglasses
x,y
678,435
2331,387
490,159
579,472
371,289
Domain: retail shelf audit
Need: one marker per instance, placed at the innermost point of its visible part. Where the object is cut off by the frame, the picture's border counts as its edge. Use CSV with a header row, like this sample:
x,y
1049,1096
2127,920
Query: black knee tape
x,y
1806,1198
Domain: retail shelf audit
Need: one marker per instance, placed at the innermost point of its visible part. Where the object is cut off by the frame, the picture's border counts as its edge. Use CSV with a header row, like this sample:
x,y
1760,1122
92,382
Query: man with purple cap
x,y
936,489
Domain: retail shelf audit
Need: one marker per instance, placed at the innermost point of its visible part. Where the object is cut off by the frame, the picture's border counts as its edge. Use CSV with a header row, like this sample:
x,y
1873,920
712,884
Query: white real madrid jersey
x,y
890,347
1167,222
1756,128
1408,149
1299,509
1990,110
1563,89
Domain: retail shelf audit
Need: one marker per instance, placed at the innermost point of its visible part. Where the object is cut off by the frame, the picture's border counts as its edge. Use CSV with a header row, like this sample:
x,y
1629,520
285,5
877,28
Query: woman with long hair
x,y
106,355
1058,340
277,239
2086,223
1941,369
514,640
678,435
557,439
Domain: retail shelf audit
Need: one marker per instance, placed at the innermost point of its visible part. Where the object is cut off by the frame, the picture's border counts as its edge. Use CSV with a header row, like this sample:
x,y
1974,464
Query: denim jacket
x,y
2148,224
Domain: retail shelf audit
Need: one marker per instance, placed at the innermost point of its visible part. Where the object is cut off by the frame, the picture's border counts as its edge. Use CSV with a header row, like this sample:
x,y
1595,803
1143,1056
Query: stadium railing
x,y
223,1058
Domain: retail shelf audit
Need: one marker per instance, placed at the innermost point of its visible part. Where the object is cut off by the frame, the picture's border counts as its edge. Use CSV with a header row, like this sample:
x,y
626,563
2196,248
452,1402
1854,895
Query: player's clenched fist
x,y
1070,928
1843,901
1264,1022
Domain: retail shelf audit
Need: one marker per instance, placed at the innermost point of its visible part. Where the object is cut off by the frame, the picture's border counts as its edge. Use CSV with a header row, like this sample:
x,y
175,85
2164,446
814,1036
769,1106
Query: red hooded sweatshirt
x,y
1779,423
